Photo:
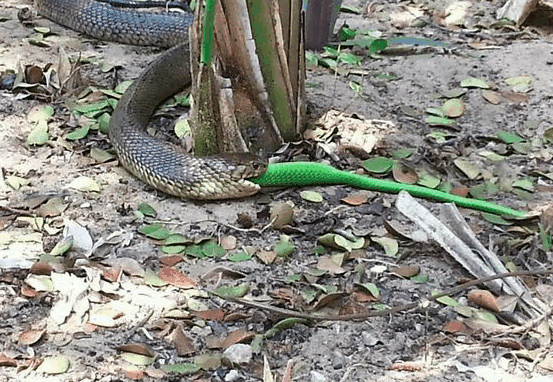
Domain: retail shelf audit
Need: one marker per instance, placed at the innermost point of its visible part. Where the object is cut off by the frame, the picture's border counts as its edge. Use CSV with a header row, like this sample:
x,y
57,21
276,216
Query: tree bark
x,y
251,97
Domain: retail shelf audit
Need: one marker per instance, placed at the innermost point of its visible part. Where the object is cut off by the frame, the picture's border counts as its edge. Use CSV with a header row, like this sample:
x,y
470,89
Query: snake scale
x,y
169,168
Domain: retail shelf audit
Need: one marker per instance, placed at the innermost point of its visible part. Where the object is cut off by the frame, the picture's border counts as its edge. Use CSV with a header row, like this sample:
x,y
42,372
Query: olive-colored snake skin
x,y
167,167
160,164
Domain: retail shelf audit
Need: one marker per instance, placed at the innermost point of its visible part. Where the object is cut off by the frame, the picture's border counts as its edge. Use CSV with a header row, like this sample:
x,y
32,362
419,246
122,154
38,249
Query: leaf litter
x,y
329,283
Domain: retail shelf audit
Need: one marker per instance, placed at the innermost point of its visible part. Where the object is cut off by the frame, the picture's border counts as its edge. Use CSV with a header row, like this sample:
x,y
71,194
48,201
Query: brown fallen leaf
x,y
267,257
112,274
182,343
41,268
455,327
7,361
170,261
174,277
27,291
407,366
136,348
484,299
211,315
31,336
357,198
235,337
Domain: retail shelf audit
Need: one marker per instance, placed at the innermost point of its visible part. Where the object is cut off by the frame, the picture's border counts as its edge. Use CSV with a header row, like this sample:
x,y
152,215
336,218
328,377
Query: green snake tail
x,y
310,174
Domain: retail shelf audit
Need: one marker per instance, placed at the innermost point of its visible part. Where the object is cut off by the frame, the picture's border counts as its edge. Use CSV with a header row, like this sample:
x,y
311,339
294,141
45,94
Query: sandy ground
x,y
395,88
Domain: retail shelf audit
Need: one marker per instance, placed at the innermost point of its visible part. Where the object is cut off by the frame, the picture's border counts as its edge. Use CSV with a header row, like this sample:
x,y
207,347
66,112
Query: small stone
x,y
238,354
339,361
231,376
317,377
370,338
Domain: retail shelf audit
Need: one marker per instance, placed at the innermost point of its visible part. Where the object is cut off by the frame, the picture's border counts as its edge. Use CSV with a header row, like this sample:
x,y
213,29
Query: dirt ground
x,y
179,322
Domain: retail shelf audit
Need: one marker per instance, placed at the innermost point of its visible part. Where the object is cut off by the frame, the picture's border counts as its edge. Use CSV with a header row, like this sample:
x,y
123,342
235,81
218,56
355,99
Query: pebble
x,y
238,354
370,338
232,375
338,361
317,377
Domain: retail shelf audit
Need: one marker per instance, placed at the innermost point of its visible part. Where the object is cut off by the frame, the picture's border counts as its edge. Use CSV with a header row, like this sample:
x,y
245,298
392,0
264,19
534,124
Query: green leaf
x,y
472,82
62,246
208,361
453,107
137,359
84,184
147,210
545,235
39,135
182,128
123,86
433,120
350,9
371,288
437,111
100,156
377,45
239,256
293,278
195,251
41,114
508,137
92,108
311,59
235,291
282,325
177,239
331,52
346,33
151,278
419,279
78,133
173,249
485,316
525,184
155,231
520,80
183,99
349,58
495,219
284,247
427,180
446,300
439,136
54,365
327,62
378,165
390,245
311,196
402,153
455,93
212,249
357,88
103,122
484,190
522,147
468,168
317,250
38,40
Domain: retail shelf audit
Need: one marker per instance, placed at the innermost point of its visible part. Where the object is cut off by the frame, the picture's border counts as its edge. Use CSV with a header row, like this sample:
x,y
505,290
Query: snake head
x,y
245,165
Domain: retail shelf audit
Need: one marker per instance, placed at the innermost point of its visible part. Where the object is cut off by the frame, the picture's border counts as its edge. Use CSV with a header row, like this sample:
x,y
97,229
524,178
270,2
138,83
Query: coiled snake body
x,y
168,167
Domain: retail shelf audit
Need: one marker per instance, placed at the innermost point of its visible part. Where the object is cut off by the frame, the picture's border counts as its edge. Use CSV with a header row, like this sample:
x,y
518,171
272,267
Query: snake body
x,y
166,166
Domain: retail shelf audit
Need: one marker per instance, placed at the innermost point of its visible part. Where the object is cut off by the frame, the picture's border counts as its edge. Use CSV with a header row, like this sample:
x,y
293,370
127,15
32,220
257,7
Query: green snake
x,y
169,168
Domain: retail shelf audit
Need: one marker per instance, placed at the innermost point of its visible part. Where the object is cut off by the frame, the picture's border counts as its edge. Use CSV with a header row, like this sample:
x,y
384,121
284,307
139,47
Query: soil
x,y
412,345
